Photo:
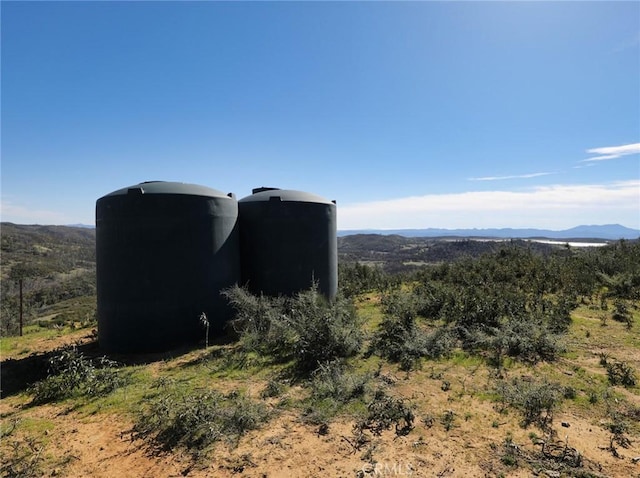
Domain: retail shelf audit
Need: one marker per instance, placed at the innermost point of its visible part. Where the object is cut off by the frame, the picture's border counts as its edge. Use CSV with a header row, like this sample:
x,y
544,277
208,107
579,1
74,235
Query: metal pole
x,y
20,307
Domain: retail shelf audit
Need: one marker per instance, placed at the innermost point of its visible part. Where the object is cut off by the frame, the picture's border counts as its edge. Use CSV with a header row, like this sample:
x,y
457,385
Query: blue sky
x,y
410,115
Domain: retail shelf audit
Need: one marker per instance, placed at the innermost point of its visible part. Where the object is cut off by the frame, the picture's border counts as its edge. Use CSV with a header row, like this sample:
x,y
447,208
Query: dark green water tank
x,y
288,240
164,251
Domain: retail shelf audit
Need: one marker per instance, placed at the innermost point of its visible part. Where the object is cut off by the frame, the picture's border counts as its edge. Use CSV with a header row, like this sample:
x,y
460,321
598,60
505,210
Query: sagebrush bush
x,y
356,279
401,304
307,329
432,298
384,411
620,373
536,401
197,420
509,303
440,342
324,330
25,459
400,339
527,340
621,313
448,419
333,386
333,381
259,323
272,389
71,374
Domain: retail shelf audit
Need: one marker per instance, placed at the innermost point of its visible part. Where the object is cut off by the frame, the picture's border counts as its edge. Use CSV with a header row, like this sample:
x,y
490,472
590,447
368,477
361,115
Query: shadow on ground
x,y
18,375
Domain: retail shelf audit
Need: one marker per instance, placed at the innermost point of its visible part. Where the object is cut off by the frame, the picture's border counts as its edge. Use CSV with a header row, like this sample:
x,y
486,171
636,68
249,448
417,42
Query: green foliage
x,y
355,279
519,272
73,375
621,313
55,263
530,341
440,342
383,411
448,419
619,428
510,303
306,329
42,294
617,269
24,460
197,420
259,323
536,401
332,381
400,339
433,295
333,386
509,452
620,373
272,389
324,331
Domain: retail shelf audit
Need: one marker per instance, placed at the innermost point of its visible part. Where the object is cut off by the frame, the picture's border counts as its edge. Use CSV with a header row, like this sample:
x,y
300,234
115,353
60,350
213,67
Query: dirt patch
x,y
100,446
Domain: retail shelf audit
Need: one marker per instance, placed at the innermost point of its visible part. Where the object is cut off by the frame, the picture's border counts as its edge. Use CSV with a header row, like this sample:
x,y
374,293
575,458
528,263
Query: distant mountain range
x,y
607,231
84,226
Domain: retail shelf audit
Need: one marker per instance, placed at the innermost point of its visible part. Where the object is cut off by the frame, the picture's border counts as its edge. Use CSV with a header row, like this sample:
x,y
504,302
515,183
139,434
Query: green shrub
x,y
324,331
73,375
197,420
535,400
272,389
570,393
332,381
307,329
433,297
620,373
383,411
448,419
25,459
526,339
440,342
618,428
398,338
333,386
355,279
621,313
509,452
400,342
258,322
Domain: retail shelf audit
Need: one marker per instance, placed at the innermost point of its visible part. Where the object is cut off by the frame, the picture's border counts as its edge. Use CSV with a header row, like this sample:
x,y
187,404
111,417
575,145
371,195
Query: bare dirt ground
x,y
62,440
100,447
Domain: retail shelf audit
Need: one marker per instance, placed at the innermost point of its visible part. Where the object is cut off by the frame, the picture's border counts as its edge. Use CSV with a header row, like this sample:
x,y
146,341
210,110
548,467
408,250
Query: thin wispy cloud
x,y
515,176
556,206
613,152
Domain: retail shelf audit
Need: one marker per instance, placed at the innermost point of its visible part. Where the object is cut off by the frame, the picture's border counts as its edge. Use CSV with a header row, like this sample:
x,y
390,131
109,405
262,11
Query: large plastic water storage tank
x,y
288,240
164,251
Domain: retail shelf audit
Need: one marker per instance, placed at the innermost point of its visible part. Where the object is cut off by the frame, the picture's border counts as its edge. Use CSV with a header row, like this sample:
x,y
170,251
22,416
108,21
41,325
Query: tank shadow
x,y
18,375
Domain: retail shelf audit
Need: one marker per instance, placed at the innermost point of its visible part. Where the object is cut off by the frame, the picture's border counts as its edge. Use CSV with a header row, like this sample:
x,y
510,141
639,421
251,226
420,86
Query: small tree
x,y
621,313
